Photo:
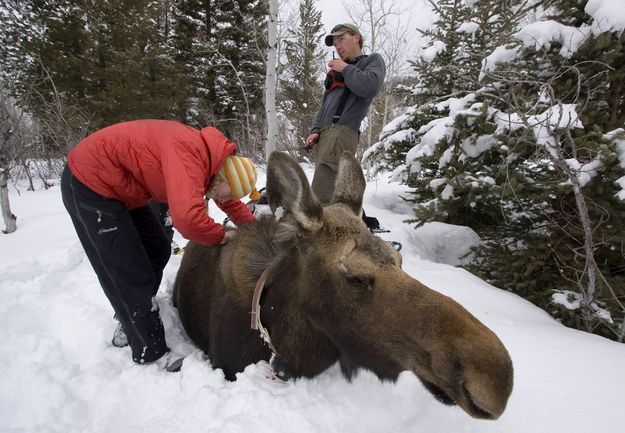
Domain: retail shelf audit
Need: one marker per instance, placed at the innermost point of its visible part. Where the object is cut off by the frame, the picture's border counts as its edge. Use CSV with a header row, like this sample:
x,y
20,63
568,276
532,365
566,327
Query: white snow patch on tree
x,y
499,56
432,51
468,28
556,117
608,14
542,34
437,130
482,144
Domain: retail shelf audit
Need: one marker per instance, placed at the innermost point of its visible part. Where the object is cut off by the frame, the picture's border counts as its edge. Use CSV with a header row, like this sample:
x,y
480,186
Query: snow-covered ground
x,y
60,372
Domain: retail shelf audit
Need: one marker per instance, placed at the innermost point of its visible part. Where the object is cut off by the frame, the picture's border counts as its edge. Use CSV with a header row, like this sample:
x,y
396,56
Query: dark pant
x,y
162,210
128,250
333,141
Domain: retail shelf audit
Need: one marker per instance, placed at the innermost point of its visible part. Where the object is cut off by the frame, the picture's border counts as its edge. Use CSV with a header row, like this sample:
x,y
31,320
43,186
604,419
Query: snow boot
x,y
280,368
170,362
119,336
374,227
176,249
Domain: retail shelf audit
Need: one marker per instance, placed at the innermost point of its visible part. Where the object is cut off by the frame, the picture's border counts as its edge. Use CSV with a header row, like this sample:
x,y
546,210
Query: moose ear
x,y
350,183
288,187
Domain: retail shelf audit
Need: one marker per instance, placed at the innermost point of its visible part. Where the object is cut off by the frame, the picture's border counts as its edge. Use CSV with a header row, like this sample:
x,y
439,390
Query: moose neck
x,y
307,351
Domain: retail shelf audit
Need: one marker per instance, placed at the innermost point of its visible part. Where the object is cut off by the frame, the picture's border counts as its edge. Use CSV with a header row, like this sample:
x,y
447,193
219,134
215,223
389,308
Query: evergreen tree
x,y
242,50
300,87
543,79
132,71
444,57
110,58
193,27
220,46
538,188
451,66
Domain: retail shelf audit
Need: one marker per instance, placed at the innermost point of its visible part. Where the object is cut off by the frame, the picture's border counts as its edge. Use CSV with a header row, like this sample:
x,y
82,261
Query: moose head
x,y
335,292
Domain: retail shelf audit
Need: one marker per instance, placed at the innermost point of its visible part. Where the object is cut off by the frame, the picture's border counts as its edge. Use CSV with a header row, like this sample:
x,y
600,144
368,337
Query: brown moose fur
x,y
335,292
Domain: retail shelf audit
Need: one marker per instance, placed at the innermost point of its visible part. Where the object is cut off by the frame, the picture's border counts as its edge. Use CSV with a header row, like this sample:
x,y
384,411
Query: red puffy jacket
x,y
163,160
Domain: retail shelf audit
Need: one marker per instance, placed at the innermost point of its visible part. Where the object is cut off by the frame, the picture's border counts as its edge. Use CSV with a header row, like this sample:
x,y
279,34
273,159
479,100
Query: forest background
x,y
503,116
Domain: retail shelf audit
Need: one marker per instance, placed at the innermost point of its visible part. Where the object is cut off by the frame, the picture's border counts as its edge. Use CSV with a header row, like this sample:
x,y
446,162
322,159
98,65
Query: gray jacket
x,y
364,79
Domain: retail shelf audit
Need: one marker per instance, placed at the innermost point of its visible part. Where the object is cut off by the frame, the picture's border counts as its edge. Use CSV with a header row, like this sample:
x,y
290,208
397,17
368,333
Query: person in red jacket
x,y
110,178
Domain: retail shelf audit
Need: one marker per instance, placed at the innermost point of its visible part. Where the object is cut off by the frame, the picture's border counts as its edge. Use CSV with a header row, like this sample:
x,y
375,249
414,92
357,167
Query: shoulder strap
x,y
341,107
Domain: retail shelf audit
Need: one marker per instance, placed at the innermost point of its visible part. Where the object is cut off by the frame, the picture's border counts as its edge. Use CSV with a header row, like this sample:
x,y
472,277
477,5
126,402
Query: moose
x,y
332,291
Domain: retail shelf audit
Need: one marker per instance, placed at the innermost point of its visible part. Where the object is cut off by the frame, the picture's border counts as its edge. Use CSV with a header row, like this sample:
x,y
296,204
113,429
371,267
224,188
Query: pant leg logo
x,y
102,231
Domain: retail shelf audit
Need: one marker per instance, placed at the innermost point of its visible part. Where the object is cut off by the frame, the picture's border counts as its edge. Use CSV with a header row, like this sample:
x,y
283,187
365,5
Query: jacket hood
x,y
219,147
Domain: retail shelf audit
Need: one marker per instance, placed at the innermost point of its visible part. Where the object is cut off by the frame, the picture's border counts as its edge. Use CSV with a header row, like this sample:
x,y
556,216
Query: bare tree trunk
x,y
6,155
26,167
270,81
588,287
587,280
10,220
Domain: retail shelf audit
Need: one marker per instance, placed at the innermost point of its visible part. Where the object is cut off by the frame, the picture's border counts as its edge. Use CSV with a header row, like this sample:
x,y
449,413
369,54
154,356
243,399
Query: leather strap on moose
x,y
278,364
256,323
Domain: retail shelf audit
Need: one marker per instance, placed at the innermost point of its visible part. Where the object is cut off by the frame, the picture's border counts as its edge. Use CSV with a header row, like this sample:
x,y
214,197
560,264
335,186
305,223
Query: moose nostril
x,y
476,409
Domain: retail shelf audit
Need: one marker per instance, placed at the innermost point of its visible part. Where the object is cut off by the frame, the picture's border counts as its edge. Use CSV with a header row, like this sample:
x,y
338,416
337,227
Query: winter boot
x,y
281,368
119,336
170,362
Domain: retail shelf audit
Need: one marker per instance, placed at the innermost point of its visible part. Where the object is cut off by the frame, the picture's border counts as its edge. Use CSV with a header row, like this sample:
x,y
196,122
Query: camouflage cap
x,y
340,29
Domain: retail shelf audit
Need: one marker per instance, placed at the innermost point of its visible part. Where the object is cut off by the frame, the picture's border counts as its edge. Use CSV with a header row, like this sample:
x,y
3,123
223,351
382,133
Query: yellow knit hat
x,y
240,174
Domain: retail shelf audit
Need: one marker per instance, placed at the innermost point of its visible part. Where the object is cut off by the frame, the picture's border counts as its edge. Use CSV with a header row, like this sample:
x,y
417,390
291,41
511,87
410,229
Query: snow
x,y
573,301
429,53
555,117
396,123
399,136
543,33
61,373
482,144
584,172
607,14
469,28
437,130
501,54
618,137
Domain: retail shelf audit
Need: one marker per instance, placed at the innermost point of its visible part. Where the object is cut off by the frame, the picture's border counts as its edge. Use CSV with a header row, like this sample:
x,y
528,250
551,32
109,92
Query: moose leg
x,y
234,345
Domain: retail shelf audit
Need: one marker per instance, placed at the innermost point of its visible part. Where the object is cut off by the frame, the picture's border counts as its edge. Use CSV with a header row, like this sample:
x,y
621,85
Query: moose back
x,y
332,291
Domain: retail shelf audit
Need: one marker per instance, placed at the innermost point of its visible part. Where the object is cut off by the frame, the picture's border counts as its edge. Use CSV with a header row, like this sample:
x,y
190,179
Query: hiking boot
x,y
119,336
170,362
281,368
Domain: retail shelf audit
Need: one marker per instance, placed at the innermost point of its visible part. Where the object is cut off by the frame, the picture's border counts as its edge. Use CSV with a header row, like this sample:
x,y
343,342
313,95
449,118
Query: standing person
x,y
352,82
106,186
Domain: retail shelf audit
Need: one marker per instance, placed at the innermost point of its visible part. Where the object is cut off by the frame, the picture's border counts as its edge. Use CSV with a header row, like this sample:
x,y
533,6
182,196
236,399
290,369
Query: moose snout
x,y
482,394
458,359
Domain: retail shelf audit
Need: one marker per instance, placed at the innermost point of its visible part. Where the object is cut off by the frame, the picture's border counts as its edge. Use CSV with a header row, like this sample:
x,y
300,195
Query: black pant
x,y
162,210
128,250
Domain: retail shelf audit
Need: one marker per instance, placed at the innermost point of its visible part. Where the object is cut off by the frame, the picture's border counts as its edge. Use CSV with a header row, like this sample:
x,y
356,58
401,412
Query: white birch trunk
x,y
7,215
271,80
6,131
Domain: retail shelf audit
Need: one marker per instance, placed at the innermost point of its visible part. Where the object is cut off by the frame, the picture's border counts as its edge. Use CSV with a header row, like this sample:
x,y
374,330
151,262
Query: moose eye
x,y
360,281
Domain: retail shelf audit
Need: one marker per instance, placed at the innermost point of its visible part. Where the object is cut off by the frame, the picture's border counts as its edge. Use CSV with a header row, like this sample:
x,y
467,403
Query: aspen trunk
x,y
10,221
270,81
